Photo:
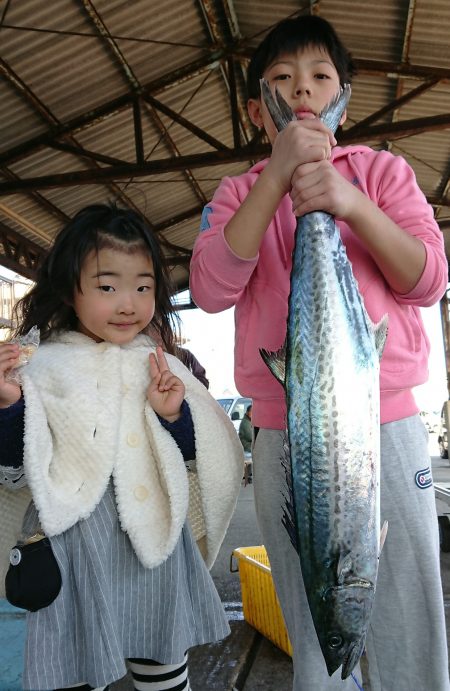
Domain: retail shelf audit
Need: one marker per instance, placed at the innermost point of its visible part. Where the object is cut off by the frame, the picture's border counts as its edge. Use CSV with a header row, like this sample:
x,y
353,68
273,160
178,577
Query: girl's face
x,y
307,80
117,296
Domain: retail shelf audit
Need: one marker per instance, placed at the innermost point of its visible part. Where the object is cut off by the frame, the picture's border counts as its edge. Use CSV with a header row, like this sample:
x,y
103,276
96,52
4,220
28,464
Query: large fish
x,y
329,368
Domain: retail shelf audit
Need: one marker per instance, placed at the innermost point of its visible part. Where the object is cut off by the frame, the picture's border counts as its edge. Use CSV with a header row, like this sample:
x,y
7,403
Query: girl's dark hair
x,y
291,35
49,302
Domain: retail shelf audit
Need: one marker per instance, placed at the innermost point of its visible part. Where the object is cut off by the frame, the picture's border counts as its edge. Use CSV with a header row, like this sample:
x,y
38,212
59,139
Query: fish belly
x,y
332,387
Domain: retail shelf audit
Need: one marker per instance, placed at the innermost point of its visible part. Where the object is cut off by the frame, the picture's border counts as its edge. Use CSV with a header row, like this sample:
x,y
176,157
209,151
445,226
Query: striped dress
x,y
110,607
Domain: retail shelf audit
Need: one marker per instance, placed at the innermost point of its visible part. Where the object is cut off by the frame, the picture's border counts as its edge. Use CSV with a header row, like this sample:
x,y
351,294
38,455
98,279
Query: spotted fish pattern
x,y
329,368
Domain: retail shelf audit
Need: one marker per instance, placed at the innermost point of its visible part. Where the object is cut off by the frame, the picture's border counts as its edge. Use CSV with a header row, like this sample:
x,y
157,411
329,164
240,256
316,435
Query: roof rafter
x,y
377,133
19,254
132,82
47,116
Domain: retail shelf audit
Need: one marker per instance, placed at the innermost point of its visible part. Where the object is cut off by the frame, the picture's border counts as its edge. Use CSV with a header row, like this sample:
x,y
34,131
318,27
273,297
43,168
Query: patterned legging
x,y
149,675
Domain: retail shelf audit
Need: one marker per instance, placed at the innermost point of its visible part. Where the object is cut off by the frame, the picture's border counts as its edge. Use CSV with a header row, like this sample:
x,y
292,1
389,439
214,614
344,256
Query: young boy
x,y
243,258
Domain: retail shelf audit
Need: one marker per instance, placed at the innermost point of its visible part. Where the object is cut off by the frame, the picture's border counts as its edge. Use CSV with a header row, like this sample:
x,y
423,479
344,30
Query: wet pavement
x,y
245,660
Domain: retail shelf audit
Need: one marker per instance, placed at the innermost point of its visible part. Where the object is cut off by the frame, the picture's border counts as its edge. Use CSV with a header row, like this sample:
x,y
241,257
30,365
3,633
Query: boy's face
x,y
307,80
117,297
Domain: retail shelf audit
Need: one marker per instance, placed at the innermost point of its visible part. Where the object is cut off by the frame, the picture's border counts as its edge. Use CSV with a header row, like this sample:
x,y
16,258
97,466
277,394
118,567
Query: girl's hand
x,y
166,391
320,187
9,391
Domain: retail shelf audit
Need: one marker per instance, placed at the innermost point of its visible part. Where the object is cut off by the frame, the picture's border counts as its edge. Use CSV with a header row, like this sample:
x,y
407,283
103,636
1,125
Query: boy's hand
x,y
303,141
166,391
320,187
9,391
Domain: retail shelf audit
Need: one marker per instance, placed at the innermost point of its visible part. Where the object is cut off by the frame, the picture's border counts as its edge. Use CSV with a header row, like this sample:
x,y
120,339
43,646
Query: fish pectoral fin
x,y
344,566
383,534
276,362
380,331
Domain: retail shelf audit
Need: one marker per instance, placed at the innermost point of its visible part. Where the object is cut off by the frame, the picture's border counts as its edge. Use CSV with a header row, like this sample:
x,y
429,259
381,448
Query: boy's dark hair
x,y
291,35
49,302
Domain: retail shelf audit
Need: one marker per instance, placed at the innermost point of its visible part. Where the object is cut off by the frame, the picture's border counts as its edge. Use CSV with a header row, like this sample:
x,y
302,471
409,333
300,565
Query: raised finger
x,y
162,362
154,367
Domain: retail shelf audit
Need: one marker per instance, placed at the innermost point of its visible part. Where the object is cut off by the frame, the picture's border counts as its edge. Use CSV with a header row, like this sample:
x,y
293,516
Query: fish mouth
x,y
352,658
347,658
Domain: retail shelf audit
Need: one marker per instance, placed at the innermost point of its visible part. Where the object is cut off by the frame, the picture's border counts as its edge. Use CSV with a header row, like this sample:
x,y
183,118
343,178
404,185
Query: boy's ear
x,y
343,118
254,111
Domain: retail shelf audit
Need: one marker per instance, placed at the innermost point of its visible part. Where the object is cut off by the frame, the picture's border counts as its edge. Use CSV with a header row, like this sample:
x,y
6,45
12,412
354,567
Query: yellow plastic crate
x,y
259,599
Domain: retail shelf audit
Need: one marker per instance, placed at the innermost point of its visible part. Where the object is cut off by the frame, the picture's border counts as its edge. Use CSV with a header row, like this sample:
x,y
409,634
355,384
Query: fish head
x,y
343,626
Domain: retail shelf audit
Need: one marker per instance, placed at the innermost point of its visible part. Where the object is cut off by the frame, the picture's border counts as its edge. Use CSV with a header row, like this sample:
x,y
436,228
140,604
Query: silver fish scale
x,y
332,378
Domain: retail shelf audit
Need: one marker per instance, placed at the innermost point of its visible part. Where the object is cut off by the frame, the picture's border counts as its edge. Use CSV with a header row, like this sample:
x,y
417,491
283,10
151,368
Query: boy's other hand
x,y
166,391
9,391
302,141
320,187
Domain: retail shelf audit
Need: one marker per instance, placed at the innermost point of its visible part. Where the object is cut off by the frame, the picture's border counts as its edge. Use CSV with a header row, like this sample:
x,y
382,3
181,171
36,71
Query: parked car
x,y
235,408
443,430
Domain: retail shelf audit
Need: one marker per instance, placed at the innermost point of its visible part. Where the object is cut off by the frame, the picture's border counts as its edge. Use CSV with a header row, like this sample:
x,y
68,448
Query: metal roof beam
x,y
175,163
397,69
19,254
180,218
42,201
132,82
397,130
48,117
176,117
81,152
113,107
223,29
138,136
392,106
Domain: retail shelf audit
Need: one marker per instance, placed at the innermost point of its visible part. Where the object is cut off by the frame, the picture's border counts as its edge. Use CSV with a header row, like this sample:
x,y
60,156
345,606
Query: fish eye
x,y
335,641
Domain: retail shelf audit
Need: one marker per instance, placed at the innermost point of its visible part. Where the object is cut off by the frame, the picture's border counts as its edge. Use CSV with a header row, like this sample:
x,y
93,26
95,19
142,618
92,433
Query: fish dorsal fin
x,y
276,362
380,331
383,534
344,566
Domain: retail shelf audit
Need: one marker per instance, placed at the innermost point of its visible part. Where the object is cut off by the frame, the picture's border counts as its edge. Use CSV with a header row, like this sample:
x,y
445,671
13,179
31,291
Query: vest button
x,y
141,493
132,439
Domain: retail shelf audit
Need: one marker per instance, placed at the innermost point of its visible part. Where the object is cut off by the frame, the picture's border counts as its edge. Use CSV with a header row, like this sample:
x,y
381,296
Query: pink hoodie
x,y
259,287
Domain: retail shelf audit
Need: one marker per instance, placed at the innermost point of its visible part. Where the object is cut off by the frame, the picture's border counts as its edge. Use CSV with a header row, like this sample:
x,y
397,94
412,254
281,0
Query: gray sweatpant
x,y
406,642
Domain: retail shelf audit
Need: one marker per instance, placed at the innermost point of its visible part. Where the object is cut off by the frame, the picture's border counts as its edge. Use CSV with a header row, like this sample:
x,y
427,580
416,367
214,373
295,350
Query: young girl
x,y
243,258
100,428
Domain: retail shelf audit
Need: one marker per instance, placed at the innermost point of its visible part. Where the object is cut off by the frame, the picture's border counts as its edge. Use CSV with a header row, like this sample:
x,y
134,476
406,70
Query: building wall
x,y
11,290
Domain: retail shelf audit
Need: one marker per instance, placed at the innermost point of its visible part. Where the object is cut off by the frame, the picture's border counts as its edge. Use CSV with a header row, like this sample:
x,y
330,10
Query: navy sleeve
x,y
11,435
182,431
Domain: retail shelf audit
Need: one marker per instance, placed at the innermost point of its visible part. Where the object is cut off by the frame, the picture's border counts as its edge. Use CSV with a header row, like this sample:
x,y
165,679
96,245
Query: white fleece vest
x,y
87,418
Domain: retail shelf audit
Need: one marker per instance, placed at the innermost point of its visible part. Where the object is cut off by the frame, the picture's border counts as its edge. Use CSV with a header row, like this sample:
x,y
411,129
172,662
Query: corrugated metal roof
x,y
70,72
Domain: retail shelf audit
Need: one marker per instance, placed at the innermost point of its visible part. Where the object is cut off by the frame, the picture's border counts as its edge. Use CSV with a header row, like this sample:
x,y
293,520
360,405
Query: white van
x,y
235,408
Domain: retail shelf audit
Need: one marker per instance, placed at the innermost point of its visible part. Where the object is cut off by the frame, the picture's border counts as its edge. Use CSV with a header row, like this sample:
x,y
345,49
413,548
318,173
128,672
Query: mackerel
x,y
329,367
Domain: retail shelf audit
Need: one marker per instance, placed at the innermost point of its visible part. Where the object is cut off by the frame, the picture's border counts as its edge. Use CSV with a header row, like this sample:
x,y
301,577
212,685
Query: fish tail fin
x,y
380,331
332,112
288,518
279,110
276,362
